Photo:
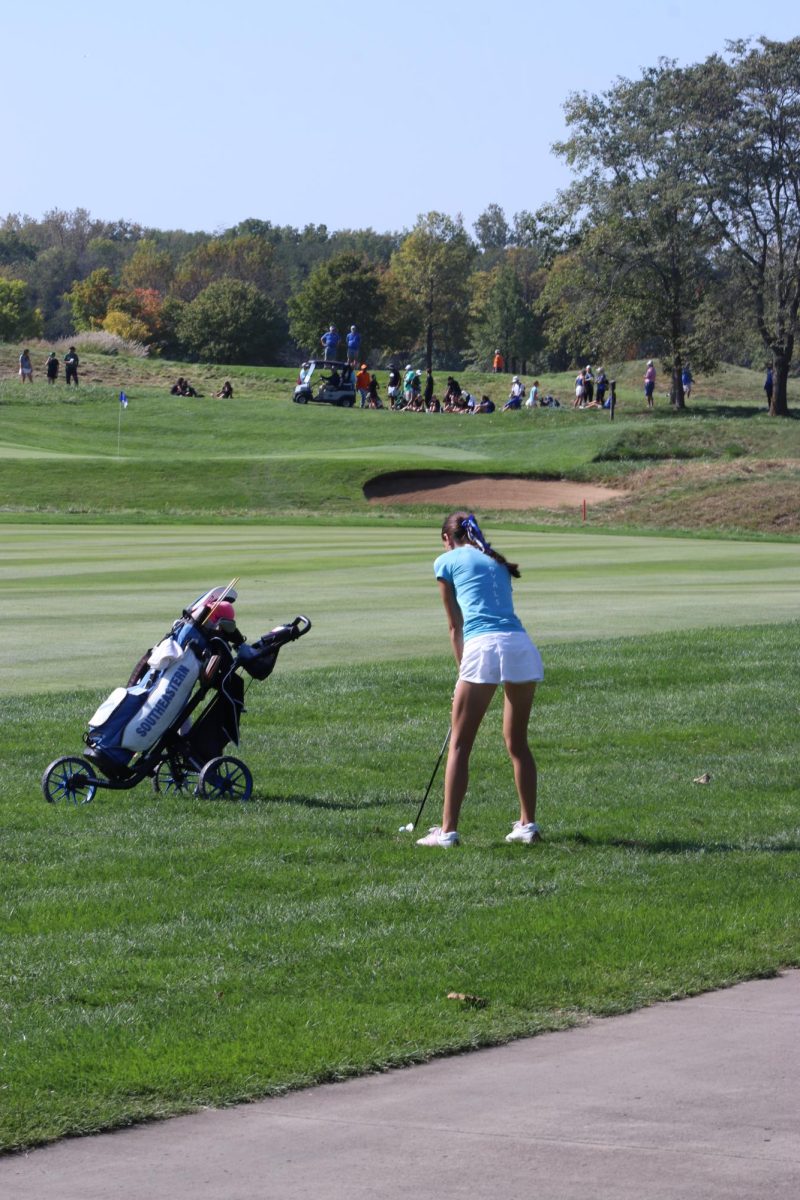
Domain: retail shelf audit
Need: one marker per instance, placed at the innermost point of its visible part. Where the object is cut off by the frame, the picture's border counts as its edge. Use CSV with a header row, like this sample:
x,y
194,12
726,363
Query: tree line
x,y
678,237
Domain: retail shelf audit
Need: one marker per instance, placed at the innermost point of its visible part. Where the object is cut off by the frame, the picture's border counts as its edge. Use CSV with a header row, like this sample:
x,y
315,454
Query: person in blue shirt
x,y
687,380
330,341
769,386
353,345
491,647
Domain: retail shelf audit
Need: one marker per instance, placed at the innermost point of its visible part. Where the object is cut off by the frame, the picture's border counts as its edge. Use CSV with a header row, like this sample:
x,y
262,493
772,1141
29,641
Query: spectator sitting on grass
x,y
225,392
516,396
453,390
486,406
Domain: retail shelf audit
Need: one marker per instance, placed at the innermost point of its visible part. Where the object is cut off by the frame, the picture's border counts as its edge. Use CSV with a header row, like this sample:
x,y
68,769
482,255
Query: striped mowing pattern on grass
x,y
88,599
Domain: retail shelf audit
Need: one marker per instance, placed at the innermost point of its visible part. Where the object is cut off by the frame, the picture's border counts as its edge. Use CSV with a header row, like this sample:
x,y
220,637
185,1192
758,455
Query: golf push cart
x,y
180,709
337,387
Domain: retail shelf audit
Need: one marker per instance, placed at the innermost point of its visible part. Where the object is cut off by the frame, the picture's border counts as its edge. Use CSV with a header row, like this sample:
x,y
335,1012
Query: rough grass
x,y
161,954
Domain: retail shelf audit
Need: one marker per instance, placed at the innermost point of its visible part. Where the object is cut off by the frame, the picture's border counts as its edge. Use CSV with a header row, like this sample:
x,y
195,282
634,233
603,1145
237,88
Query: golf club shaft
x,y
433,776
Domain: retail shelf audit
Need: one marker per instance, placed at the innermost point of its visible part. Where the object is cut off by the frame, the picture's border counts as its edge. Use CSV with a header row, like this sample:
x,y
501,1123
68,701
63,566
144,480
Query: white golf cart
x,y
337,387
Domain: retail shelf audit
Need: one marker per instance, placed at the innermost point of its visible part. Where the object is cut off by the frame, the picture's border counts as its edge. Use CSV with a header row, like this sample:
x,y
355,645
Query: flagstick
x,y
119,429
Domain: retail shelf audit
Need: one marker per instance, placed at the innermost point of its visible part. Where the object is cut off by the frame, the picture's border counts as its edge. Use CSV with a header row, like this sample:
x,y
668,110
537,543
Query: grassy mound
x,y
77,452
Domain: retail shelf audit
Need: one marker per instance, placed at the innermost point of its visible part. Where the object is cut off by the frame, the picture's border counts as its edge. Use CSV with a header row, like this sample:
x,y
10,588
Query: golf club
x,y
411,827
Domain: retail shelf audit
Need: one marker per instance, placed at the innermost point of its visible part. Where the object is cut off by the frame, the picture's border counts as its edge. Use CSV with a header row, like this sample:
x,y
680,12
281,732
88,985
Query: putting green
x,y
81,602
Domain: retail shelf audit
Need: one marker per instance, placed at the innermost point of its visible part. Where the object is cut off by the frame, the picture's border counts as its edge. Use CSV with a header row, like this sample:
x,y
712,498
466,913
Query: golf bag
x,y
133,718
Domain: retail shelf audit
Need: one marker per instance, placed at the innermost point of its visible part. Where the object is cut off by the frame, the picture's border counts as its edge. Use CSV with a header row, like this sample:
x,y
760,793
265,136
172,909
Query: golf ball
x,y
406,828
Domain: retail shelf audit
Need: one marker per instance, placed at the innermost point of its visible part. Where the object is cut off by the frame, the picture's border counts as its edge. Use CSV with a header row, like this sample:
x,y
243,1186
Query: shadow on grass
x,y
733,410
681,845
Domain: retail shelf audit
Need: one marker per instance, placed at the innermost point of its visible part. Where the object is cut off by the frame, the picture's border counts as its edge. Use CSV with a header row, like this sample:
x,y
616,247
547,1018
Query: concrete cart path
x,y
694,1099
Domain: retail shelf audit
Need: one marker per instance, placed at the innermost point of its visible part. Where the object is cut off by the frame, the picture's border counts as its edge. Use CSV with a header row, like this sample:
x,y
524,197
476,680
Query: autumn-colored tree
x,y
90,299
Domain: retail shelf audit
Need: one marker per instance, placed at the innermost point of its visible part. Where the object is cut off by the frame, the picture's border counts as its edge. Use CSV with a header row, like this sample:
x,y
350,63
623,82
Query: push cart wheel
x,y
69,779
225,778
172,781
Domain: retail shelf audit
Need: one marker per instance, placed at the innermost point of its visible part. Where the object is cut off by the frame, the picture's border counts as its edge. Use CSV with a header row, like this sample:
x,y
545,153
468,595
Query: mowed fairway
x,y
161,953
88,599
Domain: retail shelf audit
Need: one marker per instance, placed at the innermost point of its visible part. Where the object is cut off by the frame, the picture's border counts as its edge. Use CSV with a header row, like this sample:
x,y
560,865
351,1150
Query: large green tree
x,y
231,321
637,271
741,133
432,269
344,291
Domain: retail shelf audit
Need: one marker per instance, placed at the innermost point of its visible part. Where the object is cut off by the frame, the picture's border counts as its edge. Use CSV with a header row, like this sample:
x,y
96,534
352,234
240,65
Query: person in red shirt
x,y
498,363
362,384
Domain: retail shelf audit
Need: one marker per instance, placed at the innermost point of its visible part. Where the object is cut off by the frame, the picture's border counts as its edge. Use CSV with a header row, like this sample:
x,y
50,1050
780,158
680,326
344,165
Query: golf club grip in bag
x,y
258,659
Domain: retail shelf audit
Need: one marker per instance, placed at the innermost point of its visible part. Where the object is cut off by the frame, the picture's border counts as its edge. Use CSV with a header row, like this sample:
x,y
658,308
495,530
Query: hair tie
x,y
473,532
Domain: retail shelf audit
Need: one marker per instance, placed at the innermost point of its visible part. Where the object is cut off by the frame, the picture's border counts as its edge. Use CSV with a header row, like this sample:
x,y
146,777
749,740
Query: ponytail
x,y
462,527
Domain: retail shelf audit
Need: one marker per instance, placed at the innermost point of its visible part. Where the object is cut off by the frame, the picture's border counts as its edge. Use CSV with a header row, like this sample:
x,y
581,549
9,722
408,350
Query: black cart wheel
x,y
174,781
348,402
225,778
69,779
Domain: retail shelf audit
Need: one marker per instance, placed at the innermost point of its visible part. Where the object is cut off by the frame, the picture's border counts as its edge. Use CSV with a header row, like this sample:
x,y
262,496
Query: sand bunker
x,y
453,490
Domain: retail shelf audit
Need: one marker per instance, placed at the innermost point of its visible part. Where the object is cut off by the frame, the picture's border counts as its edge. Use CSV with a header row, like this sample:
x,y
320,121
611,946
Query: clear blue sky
x,y
195,115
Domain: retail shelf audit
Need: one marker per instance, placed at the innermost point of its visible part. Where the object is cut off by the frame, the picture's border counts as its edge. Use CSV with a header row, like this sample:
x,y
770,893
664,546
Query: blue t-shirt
x,y
483,591
353,341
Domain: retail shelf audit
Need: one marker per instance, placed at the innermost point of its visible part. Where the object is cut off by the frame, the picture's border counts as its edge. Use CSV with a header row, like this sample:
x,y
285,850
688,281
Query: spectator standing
x,y
769,386
71,364
353,345
427,395
362,384
649,383
687,381
601,384
579,390
330,341
51,367
588,384
374,398
25,367
498,363
393,387
408,384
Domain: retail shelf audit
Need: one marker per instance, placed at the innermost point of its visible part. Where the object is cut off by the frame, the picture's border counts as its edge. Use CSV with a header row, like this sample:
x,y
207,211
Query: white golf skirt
x,y
501,658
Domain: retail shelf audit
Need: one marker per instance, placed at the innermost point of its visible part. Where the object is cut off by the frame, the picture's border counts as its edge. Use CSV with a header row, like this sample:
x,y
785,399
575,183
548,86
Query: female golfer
x,y
491,647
